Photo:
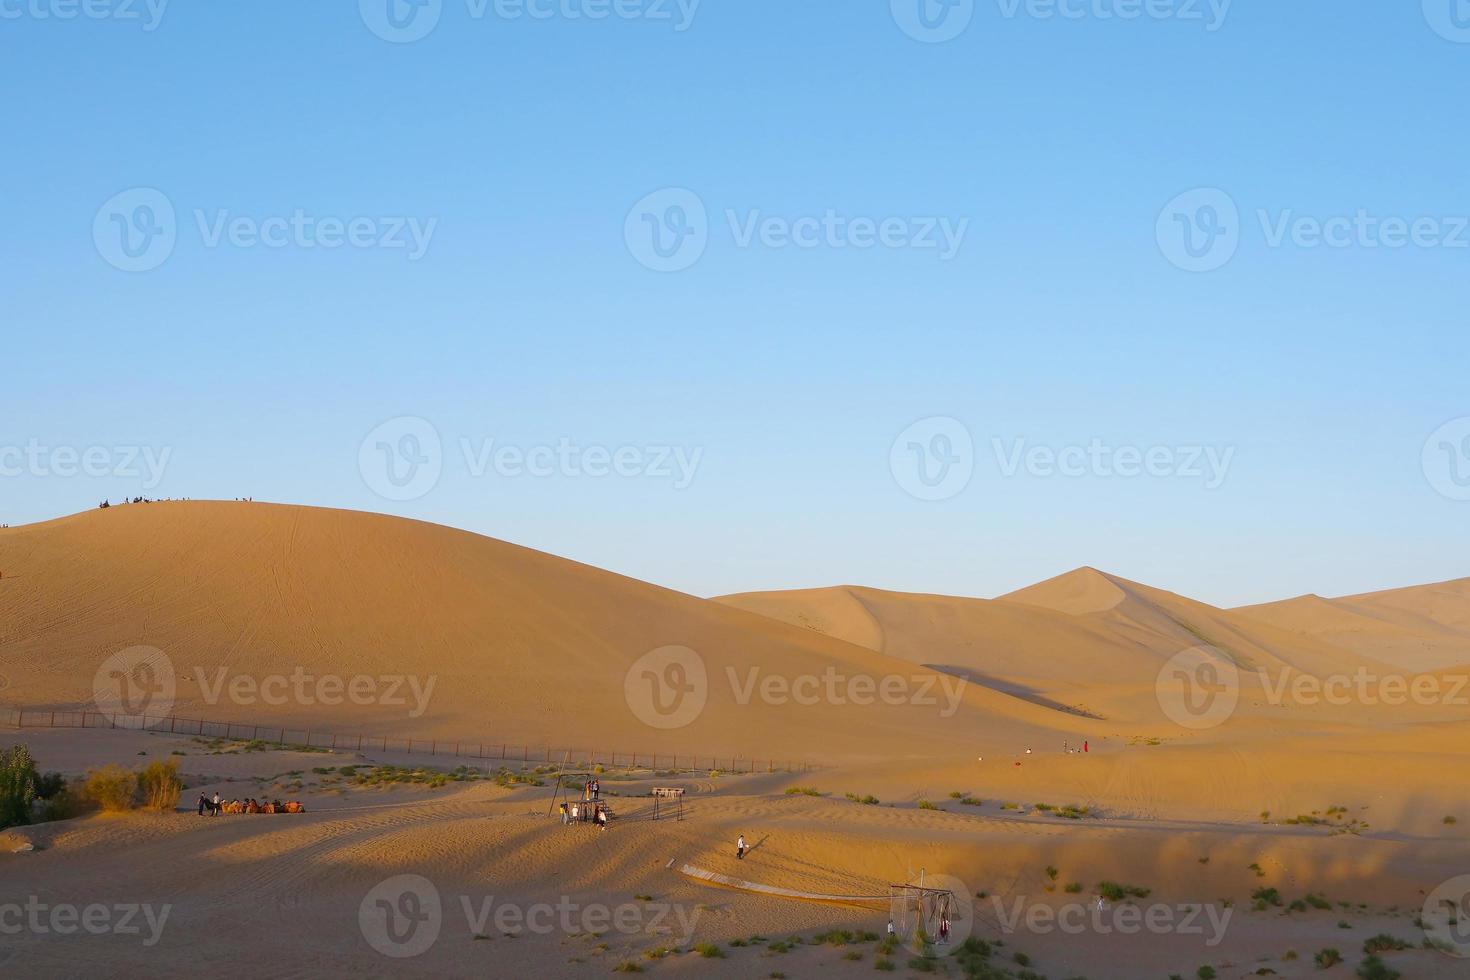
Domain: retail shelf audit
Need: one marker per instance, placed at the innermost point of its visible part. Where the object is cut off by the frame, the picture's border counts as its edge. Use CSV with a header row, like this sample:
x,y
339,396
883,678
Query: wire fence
x,y
481,751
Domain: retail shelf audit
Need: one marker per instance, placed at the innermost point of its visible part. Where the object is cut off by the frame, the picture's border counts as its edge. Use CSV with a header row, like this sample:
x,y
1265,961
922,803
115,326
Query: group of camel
x,y
254,806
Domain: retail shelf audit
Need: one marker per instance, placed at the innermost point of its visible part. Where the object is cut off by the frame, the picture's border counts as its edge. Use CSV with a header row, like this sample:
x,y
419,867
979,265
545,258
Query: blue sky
x,y
1059,151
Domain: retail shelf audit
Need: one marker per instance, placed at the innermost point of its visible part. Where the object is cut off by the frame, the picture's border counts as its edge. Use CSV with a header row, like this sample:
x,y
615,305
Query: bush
x,y
17,786
1266,896
709,951
49,785
1382,943
1373,968
65,805
111,787
161,786
1327,958
1114,892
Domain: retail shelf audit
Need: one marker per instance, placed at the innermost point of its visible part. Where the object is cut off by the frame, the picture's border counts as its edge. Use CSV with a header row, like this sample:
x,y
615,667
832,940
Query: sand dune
x,y
1086,641
516,644
1424,627
1359,801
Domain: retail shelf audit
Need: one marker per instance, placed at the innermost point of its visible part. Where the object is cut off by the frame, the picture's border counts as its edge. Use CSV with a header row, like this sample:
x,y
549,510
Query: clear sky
x,y
771,236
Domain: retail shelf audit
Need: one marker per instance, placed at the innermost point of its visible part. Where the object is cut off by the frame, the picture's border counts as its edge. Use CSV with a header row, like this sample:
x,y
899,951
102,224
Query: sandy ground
x,y
1361,806
238,887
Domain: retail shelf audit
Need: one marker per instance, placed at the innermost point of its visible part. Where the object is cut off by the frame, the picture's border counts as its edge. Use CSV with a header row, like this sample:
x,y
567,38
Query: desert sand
x,y
1349,793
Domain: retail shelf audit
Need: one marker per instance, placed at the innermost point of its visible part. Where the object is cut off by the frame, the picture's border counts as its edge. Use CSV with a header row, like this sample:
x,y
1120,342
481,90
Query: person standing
x,y
203,802
565,817
740,848
216,805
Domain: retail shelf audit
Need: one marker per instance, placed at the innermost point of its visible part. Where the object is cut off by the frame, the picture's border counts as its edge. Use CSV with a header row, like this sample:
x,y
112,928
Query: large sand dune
x,y
1349,799
1423,627
1095,643
518,645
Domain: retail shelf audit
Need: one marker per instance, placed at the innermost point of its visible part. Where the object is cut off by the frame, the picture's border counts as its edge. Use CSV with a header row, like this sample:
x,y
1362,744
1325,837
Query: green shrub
x,y
49,785
709,951
1327,958
1383,943
65,805
1373,968
1266,896
17,786
1114,892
